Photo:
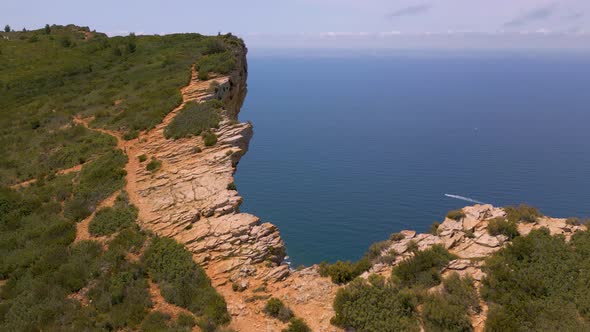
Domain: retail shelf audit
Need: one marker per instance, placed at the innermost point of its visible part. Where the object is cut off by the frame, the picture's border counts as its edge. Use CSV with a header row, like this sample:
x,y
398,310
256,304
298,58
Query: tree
x,y
7,28
131,45
47,29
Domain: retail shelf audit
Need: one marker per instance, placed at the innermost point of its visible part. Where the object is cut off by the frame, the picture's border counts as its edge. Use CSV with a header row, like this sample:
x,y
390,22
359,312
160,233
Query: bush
x,y
222,63
142,158
456,215
375,250
522,213
434,228
112,219
156,322
375,307
197,149
297,325
423,269
573,221
412,246
396,237
440,315
154,165
539,281
450,310
277,309
231,186
203,75
501,226
343,272
185,320
184,283
209,139
98,180
132,134
194,118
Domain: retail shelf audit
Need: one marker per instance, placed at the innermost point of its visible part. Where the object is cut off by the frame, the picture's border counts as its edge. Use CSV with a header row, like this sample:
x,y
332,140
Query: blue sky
x,y
330,23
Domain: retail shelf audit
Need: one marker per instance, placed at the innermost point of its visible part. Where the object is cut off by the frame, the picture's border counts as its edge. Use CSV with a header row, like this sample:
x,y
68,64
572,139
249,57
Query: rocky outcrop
x,y
190,197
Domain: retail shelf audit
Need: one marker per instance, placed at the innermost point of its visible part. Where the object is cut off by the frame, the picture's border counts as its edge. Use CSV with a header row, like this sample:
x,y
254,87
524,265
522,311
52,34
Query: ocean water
x,y
347,150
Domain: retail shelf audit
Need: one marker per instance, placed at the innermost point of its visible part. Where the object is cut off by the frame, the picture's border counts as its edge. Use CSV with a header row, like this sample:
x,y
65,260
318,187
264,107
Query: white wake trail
x,y
467,199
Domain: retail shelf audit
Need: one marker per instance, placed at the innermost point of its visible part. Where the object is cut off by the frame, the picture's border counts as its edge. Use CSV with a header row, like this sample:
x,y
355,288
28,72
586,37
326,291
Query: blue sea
x,y
349,149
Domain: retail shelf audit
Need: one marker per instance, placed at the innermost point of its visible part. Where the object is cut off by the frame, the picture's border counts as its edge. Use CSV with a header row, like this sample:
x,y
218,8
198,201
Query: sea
x,y
351,147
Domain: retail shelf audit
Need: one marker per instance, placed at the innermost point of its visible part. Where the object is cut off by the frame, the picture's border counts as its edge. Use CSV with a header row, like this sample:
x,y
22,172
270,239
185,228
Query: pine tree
x,y
47,29
7,28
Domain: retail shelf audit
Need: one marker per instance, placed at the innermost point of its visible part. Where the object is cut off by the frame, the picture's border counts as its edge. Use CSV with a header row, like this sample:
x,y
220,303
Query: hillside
x,y
118,211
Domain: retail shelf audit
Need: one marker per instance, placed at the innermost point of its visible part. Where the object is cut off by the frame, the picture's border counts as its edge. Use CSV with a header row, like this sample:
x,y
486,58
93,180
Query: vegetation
x,y
184,283
112,219
422,269
47,77
501,226
456,215
344,272
127,83
154,165
449,310
522,213
194,118
277,309
539,283
297,325
209,138
142,158
375,306
434,228
231,186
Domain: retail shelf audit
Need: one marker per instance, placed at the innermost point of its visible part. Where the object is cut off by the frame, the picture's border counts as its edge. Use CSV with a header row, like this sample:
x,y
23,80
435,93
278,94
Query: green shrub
x,y
209,139
277,309
112,219
98,180
440,315
501,226
297,325
573,221
396,237
375,307
222,63
522,213
422,269
456,215
343,272
142,158
375,250
185,320
131,135
539,281
389,258
184,283
434,228
197,149
231,186
194,118
203,75
412,246
154,165
156,322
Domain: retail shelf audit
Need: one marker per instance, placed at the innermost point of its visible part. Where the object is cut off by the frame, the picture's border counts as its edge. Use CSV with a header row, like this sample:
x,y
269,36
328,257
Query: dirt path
x,y
26,183
82,232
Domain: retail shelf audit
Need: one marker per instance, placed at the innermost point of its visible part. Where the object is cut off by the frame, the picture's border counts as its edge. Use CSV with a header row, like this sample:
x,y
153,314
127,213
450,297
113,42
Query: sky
x,y
327,24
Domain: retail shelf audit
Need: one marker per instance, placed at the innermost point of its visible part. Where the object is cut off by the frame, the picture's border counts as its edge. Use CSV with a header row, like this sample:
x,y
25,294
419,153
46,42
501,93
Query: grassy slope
x,y
126,83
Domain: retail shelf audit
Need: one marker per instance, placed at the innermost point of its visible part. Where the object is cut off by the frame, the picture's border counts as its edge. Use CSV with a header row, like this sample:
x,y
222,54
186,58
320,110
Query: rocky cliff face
x,y
190,197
